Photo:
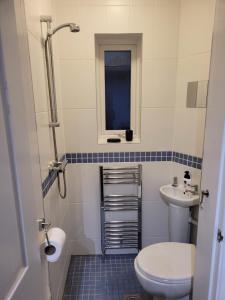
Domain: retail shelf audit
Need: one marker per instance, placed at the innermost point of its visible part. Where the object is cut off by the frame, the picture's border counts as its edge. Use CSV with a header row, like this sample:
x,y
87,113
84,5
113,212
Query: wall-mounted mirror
x,y
197,92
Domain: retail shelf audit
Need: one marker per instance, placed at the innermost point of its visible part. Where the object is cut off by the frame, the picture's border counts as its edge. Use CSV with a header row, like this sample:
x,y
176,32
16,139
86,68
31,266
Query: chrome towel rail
x,y
121,234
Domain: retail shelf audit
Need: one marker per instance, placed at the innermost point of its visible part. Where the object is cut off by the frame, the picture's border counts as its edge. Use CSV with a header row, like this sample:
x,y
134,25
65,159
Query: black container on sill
x,y
129,135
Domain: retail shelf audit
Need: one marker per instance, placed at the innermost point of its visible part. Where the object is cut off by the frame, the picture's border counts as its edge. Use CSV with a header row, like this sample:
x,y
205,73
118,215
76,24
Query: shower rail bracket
x,y
43,225
54,124
46,19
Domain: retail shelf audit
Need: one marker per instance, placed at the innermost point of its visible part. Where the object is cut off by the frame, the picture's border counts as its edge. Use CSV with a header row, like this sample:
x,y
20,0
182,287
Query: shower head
x,y
73,28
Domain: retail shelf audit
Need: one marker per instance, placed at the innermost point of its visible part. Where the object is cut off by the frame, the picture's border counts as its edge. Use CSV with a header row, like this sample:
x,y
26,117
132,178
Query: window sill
x,y
103,141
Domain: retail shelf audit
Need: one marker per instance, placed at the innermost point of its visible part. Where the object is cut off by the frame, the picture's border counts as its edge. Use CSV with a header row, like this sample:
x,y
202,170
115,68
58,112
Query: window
x,y
117,89
118,84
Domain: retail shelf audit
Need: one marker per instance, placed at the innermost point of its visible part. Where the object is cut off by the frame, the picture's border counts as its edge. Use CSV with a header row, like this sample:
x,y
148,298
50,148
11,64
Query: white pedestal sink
x,y
179,203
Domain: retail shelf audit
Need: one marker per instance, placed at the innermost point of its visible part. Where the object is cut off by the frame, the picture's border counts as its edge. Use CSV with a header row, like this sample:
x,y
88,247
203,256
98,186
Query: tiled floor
x,y
97,277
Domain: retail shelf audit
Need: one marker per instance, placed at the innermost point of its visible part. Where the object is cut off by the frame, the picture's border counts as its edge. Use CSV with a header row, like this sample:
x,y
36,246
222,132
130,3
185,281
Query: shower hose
x,y
62,193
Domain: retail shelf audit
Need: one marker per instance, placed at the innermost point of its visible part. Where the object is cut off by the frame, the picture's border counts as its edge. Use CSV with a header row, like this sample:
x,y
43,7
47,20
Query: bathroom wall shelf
x,y
121,233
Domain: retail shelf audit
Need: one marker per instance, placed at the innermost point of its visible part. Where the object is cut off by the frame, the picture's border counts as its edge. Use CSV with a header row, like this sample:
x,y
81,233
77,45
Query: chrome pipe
x,y
120,223
120,234
121,173
121,196
120,229
121,182
121,168
121,200
114,177
121,247
121,209
51,80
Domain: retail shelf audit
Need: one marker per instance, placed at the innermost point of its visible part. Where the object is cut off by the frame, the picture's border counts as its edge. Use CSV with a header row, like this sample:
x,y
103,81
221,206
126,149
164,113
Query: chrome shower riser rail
x,y
52,91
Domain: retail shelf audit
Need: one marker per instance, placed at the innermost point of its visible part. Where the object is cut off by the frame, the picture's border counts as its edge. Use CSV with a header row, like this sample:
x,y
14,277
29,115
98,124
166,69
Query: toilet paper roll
x,y
57,238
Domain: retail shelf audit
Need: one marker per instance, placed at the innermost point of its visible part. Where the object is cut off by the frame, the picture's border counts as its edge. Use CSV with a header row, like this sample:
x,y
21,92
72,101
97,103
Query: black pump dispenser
x,y
187,175
187,178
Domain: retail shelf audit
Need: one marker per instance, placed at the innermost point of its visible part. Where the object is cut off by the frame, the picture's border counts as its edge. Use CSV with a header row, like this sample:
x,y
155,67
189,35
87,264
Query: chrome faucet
x,y
192,189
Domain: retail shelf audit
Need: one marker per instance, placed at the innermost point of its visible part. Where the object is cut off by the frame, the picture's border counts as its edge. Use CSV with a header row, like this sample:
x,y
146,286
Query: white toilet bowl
x,y
165,270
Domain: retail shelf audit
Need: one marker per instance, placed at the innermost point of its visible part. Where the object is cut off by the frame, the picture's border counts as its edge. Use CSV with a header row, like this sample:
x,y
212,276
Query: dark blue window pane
x,y
117,89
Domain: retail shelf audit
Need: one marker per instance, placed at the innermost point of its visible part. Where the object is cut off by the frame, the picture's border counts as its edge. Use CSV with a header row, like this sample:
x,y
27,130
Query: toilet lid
x,y
167,262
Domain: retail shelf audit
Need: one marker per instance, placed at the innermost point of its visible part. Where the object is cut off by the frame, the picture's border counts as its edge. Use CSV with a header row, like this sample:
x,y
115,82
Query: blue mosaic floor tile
x,y
97,277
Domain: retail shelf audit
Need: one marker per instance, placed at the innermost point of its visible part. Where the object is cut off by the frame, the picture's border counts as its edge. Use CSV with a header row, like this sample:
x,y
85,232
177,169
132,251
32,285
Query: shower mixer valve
x,y
58,166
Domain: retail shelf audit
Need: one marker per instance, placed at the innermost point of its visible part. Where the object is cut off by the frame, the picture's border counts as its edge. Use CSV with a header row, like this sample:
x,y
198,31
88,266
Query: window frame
x,y
118,45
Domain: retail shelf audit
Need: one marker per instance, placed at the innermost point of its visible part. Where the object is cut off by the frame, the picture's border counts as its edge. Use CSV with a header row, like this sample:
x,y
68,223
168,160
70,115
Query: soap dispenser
x,y
187,178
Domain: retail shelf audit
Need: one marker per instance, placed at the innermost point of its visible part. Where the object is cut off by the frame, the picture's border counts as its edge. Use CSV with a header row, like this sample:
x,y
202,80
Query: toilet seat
x,y
171,263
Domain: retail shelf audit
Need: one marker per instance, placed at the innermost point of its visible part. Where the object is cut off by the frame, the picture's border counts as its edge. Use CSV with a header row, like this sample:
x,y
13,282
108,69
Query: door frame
x,y
21,127
208,277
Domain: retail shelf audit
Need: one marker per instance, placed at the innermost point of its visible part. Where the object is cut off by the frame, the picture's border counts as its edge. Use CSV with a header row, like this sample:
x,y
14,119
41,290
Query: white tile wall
x,y
189,130
196,23
78,83
157,129
166,26
195,37
155,73
78,135
44,141
38,74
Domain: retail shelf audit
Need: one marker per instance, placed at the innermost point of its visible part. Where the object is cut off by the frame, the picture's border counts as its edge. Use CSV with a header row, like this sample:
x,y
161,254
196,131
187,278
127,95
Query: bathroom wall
x,y
173,53
55,208
159,23
193,62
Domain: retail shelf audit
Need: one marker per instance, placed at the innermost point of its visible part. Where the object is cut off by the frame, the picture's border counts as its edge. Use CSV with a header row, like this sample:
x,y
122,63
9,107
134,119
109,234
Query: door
x,y
213,177
20,194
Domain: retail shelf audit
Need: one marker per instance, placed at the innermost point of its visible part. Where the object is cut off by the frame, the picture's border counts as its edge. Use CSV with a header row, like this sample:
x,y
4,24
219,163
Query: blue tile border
x,y
49,180
112,157
123,157
143,156
187,160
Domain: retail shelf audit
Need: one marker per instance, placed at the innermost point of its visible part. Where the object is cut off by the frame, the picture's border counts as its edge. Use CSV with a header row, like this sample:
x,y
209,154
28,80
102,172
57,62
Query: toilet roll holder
x,y
44,226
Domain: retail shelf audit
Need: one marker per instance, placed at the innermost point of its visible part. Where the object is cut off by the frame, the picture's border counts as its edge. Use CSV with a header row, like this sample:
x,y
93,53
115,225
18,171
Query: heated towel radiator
x,y
121,212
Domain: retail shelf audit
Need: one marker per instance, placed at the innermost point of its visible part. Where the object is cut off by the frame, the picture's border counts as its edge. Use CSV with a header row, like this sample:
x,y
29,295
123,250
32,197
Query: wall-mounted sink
x,y
178,196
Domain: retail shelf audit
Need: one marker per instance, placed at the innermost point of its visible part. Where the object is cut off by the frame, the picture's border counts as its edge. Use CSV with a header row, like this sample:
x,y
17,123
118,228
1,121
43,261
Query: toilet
x,y
165,270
